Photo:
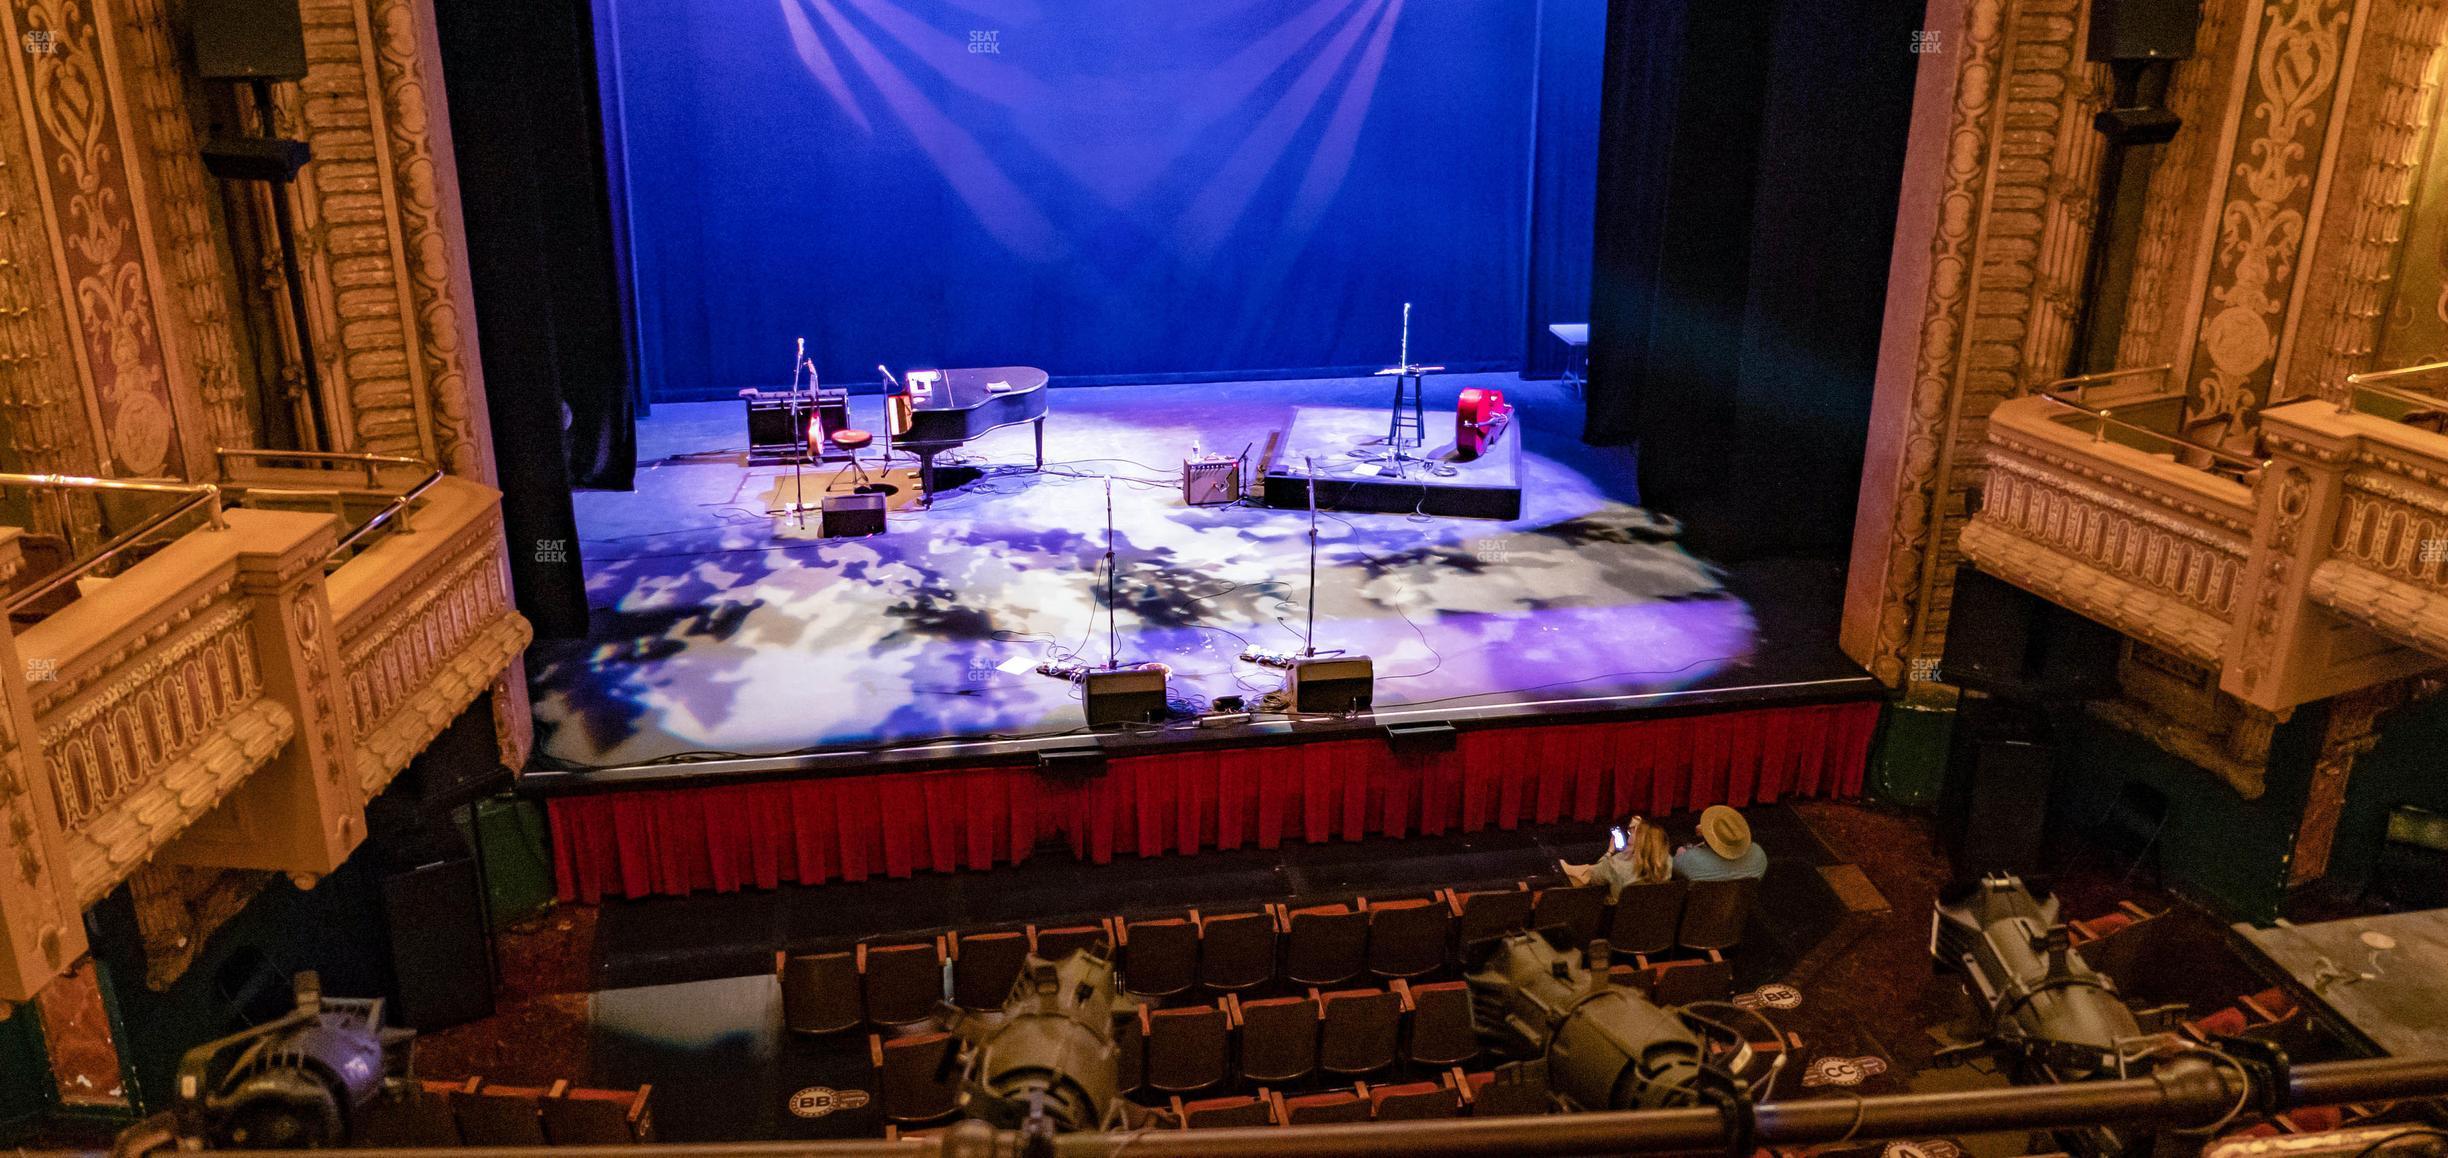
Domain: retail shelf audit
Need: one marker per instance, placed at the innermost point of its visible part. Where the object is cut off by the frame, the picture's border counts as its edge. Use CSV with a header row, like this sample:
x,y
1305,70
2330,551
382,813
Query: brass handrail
x,y
2368,377
2106,376
2369,380
397,508
369,461
2107,415
205,495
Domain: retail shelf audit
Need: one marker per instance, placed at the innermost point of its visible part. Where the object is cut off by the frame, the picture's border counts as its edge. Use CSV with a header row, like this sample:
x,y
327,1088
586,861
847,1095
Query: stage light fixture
x,y
1048,1063
1607,1048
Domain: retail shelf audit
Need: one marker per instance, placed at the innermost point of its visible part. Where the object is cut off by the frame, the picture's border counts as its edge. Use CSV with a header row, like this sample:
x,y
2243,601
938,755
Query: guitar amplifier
x,y
778,422
1128,696
853,516
1333,686
1211,481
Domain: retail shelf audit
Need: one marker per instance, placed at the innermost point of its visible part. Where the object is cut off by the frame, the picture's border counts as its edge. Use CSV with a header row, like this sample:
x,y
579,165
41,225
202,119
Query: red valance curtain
x,y
725,837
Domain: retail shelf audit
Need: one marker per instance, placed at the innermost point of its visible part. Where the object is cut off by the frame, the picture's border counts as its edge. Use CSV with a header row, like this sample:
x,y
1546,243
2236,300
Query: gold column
x,y
41,931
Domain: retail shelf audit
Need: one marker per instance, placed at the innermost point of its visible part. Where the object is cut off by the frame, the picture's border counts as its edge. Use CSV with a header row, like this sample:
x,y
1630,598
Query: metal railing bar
x,y
205,495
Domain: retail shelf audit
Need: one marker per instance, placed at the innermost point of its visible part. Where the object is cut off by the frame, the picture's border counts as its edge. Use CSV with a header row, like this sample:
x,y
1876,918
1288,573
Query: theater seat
x,y
1576,909
1210,1113
820,992
1279,1037
1186,1048
494,1115
1438,1017
1413,1101
1236,951
1159,958
1646,917
904,1072
1357,1031
1056,944
1321,1109
1406,938
903,983
1324,944
1486,916
581,1117
985,966
1714,913
1511,1089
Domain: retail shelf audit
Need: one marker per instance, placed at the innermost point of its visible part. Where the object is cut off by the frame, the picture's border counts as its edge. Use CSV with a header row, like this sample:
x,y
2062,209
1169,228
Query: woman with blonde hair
x,y
1646,857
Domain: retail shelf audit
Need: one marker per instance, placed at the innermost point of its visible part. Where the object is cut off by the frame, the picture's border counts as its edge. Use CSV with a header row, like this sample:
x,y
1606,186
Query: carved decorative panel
x,y
386,259
94,201
2265,210
44,426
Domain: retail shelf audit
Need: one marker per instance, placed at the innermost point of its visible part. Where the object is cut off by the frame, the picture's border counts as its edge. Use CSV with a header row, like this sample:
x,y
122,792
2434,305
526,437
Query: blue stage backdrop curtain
x,y
1564,175
1109,189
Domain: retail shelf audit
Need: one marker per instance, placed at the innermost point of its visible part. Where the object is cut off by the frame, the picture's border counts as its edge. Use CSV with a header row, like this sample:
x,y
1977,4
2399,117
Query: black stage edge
x,y
1348,446
1795,662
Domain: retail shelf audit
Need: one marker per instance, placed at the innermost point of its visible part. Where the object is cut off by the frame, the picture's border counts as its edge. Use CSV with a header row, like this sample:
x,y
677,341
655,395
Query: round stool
x,y
854,441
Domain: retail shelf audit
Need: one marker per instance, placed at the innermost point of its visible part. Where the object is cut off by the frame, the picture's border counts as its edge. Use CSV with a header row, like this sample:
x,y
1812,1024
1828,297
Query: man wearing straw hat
x,y
1726,851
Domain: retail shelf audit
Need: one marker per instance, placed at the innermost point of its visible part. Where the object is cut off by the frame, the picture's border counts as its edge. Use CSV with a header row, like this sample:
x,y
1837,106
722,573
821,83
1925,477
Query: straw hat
x,y
1725,830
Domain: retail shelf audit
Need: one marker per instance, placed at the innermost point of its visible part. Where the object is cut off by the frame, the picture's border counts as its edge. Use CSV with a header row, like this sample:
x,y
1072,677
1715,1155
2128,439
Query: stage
x,y
720,631
878,712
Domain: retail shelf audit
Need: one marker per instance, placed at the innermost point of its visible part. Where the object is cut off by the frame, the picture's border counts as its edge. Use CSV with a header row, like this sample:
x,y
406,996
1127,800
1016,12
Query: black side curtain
x,y
1750,157
526,131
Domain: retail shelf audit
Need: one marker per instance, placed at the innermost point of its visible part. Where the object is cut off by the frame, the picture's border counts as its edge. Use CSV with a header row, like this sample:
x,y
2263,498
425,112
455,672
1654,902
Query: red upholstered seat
x,y
849,439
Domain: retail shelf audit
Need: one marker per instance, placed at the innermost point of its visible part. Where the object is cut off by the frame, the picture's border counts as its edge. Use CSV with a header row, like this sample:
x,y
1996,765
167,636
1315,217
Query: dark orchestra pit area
x,y
717,628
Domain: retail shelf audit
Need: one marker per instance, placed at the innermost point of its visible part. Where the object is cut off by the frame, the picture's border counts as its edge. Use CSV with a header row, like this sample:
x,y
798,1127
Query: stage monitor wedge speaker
x,y
1336,686
2143,29
1128,696
248,39
2011,643
853,516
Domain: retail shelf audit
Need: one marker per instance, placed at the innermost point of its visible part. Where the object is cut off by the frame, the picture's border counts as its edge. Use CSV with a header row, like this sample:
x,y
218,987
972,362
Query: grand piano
x,y
941,409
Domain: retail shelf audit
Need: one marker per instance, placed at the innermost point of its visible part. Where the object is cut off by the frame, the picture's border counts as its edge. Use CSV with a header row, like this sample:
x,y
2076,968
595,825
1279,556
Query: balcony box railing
x,y
2374,474
2298,576
233,698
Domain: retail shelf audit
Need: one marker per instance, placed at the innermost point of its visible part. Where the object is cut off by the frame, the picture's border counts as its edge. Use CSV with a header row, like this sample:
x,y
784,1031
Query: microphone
x,y
889,380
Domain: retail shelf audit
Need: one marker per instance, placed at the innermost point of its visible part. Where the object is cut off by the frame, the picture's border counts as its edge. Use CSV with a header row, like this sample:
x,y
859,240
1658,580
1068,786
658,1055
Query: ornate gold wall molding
x,y
387,252
2266,208
2009,247
426,187
200,322
44,424
96,204
2356,258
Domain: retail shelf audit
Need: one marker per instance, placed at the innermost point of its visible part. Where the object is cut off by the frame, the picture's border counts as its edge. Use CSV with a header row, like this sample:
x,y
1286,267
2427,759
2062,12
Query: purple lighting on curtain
x,y
1119,148
998,203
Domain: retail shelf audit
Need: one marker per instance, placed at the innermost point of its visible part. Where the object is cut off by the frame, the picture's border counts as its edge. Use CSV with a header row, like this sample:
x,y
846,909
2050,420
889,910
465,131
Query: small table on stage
x,y
1575,336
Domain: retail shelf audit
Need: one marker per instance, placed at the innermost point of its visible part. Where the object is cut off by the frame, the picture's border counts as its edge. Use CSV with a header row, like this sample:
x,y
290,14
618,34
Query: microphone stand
x,y
1409,385
1113,640
1309,635
798,502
